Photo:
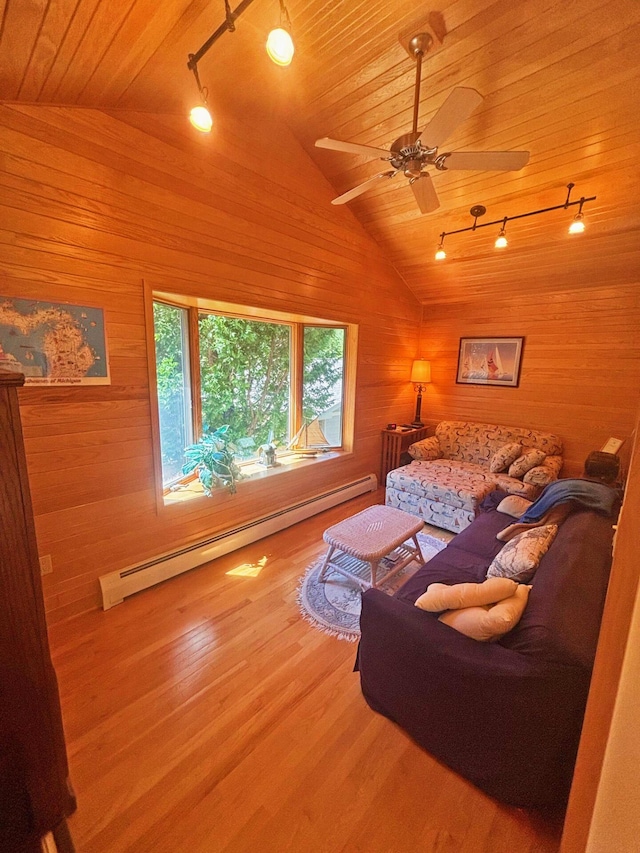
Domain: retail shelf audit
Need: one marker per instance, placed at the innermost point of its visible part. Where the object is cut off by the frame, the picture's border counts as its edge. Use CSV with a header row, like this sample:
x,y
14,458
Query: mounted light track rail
x,y
577,224
279,48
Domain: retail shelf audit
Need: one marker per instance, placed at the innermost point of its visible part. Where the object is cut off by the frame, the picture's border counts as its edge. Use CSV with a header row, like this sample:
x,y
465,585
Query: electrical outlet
x,y
612,445
46,566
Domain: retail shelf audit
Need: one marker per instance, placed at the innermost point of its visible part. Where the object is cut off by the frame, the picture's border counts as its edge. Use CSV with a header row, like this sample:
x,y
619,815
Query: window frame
x,y
297,322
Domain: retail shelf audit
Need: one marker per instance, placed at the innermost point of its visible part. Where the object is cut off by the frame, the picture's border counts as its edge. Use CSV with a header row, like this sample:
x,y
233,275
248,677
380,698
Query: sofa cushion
x,y
530,459
504,456
458,439
488,624
519,558
459,484
441,596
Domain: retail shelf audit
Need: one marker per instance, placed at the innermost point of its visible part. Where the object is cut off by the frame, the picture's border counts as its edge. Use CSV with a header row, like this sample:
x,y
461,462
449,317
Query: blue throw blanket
x,y
590,494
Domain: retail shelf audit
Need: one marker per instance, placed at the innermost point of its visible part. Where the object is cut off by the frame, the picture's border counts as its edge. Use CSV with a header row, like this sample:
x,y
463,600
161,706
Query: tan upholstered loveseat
x,y
455,469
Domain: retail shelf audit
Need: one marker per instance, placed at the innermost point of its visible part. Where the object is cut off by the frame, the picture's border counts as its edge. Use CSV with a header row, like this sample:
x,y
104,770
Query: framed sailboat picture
x,y
490,361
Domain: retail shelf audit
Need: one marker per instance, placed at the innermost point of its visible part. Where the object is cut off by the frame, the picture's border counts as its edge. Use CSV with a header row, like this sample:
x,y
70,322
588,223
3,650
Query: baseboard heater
x,y
116,586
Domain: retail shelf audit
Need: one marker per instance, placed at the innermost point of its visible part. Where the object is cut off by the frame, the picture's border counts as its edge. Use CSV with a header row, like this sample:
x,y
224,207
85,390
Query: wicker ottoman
x,y
369,536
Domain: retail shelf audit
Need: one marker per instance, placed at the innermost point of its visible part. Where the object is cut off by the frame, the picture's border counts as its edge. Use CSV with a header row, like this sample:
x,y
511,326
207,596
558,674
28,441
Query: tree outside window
x,y
247,380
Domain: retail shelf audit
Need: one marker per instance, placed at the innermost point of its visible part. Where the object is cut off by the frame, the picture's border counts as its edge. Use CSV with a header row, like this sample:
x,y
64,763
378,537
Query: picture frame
x,y
53,343
490,361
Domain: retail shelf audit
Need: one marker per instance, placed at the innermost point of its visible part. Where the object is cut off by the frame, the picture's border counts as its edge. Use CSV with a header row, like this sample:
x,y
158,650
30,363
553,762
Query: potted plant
x,y
213,459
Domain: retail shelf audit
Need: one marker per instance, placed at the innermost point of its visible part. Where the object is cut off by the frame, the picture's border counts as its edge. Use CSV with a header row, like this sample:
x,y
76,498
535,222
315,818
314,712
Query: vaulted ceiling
x,y
560,78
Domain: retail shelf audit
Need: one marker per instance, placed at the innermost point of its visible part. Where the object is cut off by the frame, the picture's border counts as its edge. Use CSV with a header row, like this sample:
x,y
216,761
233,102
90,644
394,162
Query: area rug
x,y
333,605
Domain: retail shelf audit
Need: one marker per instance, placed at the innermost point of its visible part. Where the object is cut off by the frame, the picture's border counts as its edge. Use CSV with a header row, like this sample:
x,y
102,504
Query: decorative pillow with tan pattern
x,y
504,456
519,557
526,462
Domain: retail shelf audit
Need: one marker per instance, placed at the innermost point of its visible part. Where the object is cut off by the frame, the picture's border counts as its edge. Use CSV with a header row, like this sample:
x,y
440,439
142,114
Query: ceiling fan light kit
x,y
279,46
411,153
577,225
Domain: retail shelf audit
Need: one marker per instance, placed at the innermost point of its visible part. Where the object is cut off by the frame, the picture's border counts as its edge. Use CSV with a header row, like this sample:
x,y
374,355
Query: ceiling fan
x,y
413,152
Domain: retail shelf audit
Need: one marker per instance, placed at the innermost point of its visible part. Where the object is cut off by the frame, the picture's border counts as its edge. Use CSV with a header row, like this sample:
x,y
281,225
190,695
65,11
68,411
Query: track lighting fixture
x,y
279,42
279,47
501,239
577,225
440,252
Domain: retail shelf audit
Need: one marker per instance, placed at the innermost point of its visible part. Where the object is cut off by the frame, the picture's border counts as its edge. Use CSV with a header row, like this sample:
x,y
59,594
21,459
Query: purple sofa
x,y
505,715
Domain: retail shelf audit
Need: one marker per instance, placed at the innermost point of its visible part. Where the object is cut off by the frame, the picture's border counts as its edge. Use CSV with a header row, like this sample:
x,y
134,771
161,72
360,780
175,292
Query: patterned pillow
x,y
519,558
526,462
504,456
489,623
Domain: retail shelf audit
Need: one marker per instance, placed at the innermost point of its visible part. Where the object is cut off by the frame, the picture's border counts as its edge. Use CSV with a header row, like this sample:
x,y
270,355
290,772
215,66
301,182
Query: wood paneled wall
x,y
92,205
580,374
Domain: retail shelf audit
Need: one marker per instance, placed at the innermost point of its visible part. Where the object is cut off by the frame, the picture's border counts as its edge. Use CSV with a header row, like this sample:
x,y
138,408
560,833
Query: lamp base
x,y
417,424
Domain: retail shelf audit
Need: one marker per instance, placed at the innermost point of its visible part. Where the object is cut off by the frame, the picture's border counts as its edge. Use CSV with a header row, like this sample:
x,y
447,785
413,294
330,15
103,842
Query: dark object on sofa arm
x,y
506,715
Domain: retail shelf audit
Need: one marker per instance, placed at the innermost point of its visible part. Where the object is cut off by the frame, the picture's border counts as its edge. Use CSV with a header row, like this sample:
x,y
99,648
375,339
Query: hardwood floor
x,y
205,716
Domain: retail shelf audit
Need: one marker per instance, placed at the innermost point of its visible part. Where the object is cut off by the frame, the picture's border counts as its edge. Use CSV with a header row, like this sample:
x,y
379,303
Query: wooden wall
x,y
580,373
91,205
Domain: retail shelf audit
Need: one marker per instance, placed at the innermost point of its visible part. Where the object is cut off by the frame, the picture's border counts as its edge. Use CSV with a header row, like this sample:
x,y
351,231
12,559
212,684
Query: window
x,y
268,379
174,389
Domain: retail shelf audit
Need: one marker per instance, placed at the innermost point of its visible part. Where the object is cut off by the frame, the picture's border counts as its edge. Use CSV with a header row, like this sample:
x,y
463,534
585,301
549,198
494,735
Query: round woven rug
x,y
333,605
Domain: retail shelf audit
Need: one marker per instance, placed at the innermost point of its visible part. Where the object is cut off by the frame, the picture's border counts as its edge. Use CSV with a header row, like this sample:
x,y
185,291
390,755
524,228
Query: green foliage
x,y
245,378
213,459
175,432
244,370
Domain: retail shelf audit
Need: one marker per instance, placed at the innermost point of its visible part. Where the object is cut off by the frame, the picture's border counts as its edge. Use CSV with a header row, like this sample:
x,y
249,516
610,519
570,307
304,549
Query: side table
x,y
395,442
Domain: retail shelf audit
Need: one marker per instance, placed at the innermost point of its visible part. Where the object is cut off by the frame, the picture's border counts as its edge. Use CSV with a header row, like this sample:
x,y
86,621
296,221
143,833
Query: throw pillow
x,y
441,596
540,476
488,624
526,462
514,505
504,456
519,557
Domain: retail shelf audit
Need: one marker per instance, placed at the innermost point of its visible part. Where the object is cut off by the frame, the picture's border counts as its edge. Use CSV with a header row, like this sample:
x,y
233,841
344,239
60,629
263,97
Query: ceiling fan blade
x,y
351,147
490,161
361,188
425,193
456,109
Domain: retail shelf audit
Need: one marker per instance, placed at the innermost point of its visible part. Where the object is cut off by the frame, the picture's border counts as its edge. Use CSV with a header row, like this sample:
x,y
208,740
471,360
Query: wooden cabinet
x,y
35,796
395,443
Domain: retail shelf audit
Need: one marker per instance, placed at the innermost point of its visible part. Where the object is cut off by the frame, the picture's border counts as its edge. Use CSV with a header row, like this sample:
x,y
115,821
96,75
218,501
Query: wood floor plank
x,y
205,715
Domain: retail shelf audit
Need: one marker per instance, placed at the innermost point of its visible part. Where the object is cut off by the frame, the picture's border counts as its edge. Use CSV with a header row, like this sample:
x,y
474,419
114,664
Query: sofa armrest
x,y
428,448
544,474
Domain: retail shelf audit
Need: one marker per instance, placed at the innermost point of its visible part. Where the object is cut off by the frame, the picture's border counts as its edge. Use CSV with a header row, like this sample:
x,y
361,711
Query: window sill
x,y
253,471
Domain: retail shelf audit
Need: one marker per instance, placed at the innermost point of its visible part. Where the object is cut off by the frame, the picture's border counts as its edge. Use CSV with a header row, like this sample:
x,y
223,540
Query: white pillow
x,y
489,623
519,557
442,596
514,505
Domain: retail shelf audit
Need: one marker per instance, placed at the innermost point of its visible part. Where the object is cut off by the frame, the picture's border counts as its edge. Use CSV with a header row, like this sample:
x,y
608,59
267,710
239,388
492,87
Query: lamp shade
x,y
421,371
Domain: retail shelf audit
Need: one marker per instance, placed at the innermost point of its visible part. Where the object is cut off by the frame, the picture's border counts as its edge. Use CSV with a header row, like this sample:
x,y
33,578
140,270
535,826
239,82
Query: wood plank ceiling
x,y
560,78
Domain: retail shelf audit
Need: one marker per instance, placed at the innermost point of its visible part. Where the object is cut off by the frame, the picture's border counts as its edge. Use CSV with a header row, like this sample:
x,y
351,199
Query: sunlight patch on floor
x,y
249,570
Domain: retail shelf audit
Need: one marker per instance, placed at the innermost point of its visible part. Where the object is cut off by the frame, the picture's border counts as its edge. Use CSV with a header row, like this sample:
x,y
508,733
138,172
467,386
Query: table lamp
x,y
420,376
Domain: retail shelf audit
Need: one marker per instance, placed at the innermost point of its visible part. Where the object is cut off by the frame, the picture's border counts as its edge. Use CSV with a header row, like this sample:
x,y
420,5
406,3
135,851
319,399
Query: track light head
x,y
577,225
279,42
501,239
280,46
200,118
